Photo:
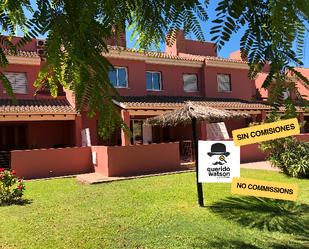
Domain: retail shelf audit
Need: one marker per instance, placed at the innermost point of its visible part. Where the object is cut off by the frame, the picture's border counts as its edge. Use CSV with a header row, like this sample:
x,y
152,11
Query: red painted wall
x,y
136,160
32,73
301,88
233,124
182,45
46,134
51,162
136,76
172,78
90,123
252,153
101,166
242,86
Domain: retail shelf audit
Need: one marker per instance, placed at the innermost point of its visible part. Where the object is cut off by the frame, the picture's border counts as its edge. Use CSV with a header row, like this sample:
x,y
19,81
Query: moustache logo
x,y
216,163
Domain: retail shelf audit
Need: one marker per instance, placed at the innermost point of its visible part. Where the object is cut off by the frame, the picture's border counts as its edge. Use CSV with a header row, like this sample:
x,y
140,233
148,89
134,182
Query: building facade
x,y
150,84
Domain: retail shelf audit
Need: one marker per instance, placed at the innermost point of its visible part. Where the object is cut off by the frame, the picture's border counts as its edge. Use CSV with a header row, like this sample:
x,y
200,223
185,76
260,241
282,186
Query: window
x,y
286,94
190,82
224,83
18,81
153,81
118,77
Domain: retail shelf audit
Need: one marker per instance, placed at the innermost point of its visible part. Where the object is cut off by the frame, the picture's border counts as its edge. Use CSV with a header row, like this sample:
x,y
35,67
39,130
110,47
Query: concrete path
x,y
264,165
93,178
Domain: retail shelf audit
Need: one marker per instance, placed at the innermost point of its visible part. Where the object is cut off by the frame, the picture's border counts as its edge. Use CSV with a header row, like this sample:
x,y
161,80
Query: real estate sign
x,y
253,187
266,132
218,161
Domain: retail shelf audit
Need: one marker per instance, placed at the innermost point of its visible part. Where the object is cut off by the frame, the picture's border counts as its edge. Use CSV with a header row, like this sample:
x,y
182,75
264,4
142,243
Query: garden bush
x,y
289,155
11,187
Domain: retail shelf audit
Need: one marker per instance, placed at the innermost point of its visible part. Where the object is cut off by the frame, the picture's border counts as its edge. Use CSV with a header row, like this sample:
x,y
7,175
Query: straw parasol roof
x,y
192,110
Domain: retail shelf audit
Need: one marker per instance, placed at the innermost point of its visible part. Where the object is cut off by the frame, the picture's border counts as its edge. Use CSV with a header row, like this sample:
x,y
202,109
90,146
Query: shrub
x,y
289,155
11,187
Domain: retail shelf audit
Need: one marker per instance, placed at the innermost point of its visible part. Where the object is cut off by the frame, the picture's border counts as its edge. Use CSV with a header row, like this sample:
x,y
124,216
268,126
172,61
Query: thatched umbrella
x,y
191,113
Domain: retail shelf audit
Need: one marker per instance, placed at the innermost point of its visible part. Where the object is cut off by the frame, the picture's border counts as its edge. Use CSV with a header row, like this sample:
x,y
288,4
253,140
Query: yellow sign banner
x,y
276,190
265,132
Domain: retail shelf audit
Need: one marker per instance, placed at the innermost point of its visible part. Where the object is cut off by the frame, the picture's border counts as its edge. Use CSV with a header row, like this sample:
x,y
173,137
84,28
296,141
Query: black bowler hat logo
x,y
218,149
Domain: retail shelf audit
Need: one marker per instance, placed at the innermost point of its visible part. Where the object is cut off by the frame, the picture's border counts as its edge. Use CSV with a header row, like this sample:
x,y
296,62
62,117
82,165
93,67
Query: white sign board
x,y
216,131
218,161
86,137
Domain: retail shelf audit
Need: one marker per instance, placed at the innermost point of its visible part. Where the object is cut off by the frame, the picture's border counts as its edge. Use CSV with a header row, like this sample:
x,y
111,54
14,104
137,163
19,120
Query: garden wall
x,y
137,159
42,163
252,153
303,137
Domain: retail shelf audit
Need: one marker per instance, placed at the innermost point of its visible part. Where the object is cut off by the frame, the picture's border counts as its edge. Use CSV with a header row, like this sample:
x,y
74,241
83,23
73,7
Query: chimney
x,y
183,46
118,37
177,45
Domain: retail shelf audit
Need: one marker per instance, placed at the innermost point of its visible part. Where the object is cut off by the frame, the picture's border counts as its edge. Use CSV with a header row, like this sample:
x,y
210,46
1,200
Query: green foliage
x,y
77,32
257,95
272,28
289,155
11,188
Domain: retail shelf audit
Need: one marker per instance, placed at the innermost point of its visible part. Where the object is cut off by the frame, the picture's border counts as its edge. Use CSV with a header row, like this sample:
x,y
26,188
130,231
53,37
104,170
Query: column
x,y
254,117
301,119
125,139
263,115
78,130
203,131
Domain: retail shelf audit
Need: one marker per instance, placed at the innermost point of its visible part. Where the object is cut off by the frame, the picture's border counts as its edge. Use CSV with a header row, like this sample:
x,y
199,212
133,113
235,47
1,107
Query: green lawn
x,y
156,212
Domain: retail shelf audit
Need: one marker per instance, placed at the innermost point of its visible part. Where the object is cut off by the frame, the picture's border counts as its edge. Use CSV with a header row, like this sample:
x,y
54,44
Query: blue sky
x,y
229,47
233,44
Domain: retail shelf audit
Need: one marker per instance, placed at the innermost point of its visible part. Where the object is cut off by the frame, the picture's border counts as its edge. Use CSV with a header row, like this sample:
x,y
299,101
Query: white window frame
x,y
160,81
183,82
117,80
26,85
230,83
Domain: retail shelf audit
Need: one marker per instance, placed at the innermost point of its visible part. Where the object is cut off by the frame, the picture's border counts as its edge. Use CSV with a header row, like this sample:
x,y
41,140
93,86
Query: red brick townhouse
x,y
34,121
150,83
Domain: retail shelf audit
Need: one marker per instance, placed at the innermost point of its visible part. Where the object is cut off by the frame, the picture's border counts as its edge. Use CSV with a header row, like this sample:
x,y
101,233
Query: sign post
x,y
195,149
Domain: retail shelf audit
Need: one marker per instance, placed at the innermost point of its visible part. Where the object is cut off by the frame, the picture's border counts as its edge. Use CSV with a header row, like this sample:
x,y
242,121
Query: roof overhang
x,y
155,108
36,110
9,117
152,60
226,64
33,61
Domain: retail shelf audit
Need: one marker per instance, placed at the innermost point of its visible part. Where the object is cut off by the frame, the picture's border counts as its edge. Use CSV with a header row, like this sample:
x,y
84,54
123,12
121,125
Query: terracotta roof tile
x,y
21,53
40,106
173,102
181,56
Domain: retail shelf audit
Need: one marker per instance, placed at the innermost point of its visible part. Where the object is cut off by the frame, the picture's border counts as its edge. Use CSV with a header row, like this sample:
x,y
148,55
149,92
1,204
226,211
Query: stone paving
x,y
93,178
